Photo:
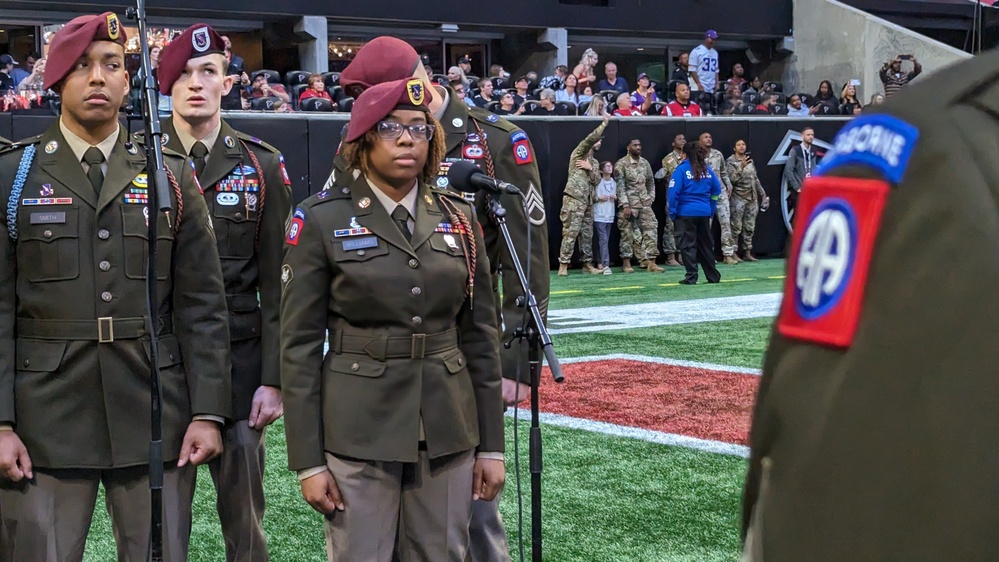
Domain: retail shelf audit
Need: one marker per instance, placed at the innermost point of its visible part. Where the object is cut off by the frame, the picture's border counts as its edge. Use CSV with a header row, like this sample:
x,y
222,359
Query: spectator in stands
x,y
733,101
624,107
261,89
485,92
876,99
755,86
680,74
281,107
825,96
532,79
738,77
766,105
682,106
460,93
569,94
36,79
456,74
584,70
603,214
848,100
612,81
644,93
892,76
556,81
521,94
236,64
21,72
548,107
692,196
7,83
508,105
496,71
316,89
704,64
597,107
465,64
796,109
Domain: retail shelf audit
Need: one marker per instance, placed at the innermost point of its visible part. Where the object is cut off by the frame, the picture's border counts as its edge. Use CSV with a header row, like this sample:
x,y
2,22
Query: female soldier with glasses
x,y
399,427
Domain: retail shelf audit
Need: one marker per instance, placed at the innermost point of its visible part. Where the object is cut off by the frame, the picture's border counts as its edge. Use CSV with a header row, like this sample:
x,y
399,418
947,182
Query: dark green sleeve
x,y
304,305
277,207
527,178
8,304
201,318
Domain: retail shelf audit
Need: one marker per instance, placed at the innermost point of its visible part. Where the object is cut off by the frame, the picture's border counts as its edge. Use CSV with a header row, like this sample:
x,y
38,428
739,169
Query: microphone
x,y
465,176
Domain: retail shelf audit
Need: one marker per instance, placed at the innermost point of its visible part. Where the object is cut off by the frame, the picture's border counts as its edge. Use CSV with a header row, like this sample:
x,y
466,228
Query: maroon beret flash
x,y
383,59
197,41
75,38
378,101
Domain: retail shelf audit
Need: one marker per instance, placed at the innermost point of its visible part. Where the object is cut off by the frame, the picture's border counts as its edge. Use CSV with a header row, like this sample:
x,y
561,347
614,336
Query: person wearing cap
x,y
74,345
7,82
465,64
399,426
248,195
503,151
644,96
704,67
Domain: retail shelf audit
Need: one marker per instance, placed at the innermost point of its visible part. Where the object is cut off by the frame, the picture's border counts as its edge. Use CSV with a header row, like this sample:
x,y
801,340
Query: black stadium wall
x,y
309,143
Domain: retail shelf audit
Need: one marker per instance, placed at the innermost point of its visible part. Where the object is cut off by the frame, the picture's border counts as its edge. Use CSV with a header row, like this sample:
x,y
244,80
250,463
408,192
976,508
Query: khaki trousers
x,y
238,474
405,512
487,540
48,518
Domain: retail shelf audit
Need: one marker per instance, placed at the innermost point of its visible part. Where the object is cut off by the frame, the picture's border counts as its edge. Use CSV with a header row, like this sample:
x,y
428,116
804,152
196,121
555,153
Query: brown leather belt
x,y
380,348
102,330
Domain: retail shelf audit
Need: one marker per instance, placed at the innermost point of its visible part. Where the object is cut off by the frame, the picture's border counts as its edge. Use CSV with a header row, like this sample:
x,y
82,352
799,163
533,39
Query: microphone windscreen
x,y
459,176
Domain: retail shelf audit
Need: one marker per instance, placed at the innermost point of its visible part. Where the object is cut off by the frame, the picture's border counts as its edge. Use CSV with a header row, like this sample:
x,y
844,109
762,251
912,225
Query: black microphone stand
x,y
159,201
538,340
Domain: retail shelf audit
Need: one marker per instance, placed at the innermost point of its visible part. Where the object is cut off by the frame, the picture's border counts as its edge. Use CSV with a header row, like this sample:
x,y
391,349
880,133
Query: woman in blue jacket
x,y
693,193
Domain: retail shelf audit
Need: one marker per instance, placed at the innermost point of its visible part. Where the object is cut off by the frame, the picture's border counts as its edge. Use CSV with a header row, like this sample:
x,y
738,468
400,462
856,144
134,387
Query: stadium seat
x,y
346,104
317,104
779,109
657,108
807,99
473,78
336,92
263,104
610,96
493,106
296,93
296,77
331,79
746,109
537,92
671,89
827,110
753,99
776,87
272,76
530,106
584,107
570,108
499,83
440,79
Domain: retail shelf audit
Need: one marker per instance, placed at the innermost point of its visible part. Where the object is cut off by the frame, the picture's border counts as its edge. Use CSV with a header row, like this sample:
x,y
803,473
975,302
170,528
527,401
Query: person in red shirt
x,y
682,106
316,89
624,107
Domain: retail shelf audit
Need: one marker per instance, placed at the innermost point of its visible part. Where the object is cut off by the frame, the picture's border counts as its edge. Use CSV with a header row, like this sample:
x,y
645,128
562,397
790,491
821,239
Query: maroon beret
x,y
199,40
383,59
378,101
75,38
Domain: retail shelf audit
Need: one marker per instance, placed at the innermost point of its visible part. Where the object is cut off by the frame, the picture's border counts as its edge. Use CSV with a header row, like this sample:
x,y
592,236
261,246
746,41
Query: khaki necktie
x,y
93,158
198,153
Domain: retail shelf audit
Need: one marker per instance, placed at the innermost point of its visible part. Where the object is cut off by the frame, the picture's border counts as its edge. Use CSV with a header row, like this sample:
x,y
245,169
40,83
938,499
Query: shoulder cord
x,y
15,193
461,224
263,192
490,168
180,198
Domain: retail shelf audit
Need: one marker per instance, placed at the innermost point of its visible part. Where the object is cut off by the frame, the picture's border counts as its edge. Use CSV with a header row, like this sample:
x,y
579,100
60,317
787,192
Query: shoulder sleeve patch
x,y
284,171
882,142
295,227
834,235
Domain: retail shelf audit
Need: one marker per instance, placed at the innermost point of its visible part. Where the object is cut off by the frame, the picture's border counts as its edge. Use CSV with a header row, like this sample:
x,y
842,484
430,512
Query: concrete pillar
x,y
313,54
554,43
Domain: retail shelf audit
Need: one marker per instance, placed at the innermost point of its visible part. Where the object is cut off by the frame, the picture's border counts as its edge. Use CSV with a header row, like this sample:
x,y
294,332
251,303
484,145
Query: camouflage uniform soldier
x,y
716,161
748,198
577,202
670,164
636,221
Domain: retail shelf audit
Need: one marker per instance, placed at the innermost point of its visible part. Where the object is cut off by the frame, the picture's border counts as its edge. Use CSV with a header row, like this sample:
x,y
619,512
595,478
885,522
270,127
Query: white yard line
x,y
645,315
660,361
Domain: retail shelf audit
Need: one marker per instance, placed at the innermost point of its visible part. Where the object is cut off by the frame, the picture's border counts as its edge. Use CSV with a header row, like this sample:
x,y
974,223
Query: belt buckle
x,y
419,346
105,329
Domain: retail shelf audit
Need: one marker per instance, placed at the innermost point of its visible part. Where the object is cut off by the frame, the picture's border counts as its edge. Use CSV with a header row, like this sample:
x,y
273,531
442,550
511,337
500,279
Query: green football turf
x,y
606,499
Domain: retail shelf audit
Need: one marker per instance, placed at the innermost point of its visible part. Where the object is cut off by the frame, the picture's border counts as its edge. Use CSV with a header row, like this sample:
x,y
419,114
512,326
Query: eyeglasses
x,y
391,130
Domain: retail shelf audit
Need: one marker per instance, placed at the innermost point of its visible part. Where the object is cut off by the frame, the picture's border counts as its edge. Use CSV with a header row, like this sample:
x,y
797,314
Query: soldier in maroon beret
x,y
248,195
395,443
74,340
501,150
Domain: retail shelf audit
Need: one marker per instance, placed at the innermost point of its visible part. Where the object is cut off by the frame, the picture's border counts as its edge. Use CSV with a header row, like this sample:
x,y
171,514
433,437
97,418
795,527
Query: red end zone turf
x,y
702,403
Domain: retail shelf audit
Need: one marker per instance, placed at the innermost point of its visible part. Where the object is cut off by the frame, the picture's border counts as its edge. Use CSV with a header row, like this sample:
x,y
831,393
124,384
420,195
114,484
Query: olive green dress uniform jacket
x,y
75,402
886,450
459,121
365,399
250,235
